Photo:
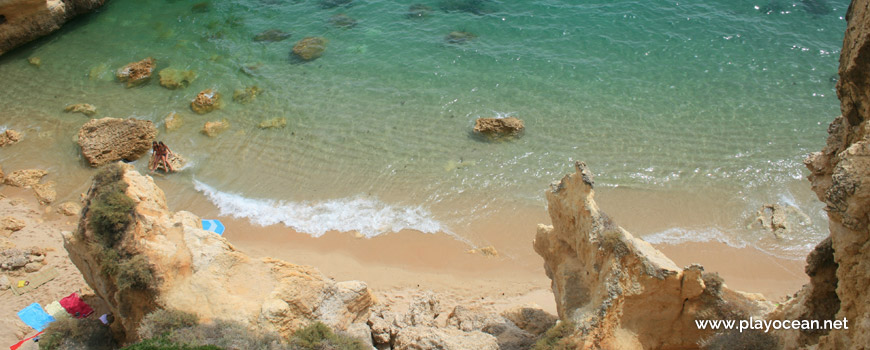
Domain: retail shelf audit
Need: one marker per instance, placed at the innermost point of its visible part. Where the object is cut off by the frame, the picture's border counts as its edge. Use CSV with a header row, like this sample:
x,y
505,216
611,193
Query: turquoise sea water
x,y
720,100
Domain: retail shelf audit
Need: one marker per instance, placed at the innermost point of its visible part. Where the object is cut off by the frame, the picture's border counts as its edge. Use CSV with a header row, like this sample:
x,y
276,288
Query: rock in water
x,y
109,140
172,79
499,127
343,21
310,48
328,4
22,21
136,73
419,11
9,137
35,61
45,193
24,178
274,123
83,108
271,35
172,121
215,128
459,37
247,94
206,101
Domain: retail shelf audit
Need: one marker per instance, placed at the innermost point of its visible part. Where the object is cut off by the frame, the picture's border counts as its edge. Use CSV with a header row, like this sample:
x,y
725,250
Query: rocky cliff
x,y
619,291
840,177
200,272
22,21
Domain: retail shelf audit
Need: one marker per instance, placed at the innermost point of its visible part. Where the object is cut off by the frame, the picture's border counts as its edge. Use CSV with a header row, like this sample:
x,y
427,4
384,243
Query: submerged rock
x,y
342,20
99,72
215,128
171,78
419,11
206,101
246,95
109,140
9,137
274,123
328,4
779,219
499,127
310,48
24,178
271,35
172,121
136,73
35,61
83,108
201,7
459,37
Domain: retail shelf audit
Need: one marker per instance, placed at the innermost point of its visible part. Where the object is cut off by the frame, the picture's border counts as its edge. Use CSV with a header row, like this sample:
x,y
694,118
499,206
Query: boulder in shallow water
x,y
310,48
459,37
274,123
172,121
24,178
35,61
215,128
497,127
419,11
247,94
9,137
83,108
271,35
136,73
343,21
171,78
328,4
779,219
109,140
206,101
45,193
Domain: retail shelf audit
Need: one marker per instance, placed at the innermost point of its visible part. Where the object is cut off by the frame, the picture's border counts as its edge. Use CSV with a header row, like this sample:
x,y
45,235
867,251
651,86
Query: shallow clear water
x,y
718,100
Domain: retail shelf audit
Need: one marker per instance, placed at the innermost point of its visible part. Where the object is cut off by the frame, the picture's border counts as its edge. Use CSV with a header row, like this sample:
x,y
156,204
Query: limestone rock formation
x,y
45,193
498,127
136,73
618,290
27,20
840,177
83,108
426,338
215,128
310,48
172,78
206,101
24,178
9,137
108,140
34,61
200,272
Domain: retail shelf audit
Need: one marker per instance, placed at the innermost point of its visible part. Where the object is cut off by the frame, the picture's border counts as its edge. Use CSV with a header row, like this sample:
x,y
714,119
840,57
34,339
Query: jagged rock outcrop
x,y
22,21
25,178
136,73
200,272
206,101
108,140
840,177
618,290
9,137
498,127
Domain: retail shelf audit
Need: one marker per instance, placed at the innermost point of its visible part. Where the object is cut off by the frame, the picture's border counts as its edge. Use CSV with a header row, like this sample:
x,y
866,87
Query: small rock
x,y
486,251
497,127
247,94
172,121
34,61
343,21
69,209
32,267
172,79
10,224
271,35
11,259
206,101
214,128
419,11
136,73
83,108
45,193
4,282
362,332
274,123
310,48
37,258
9,137
459,37
24,178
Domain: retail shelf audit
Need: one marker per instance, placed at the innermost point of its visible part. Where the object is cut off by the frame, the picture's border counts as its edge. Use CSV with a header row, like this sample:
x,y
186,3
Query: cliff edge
x,y
22,21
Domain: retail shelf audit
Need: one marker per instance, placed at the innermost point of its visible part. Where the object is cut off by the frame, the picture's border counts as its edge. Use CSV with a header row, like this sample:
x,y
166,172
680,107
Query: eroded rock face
x,y
840,177
109,139
619,290
498,127
200,272
27,20
136,73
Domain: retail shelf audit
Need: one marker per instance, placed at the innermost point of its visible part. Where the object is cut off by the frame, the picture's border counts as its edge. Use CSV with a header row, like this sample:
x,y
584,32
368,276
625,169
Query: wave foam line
x,y
678,235
369,217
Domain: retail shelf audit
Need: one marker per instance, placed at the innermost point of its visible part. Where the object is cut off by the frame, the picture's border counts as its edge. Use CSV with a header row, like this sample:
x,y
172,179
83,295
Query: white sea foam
x,y
370,217
677,235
